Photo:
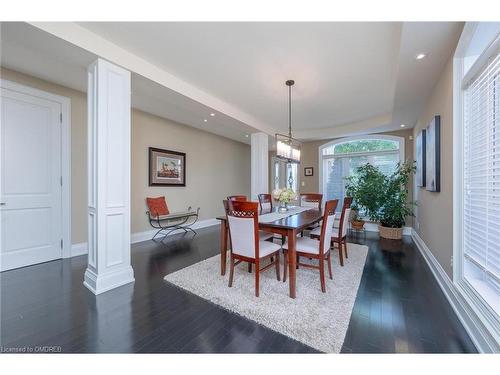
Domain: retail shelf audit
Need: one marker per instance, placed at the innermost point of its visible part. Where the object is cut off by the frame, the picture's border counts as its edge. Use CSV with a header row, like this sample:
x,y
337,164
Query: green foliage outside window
x,y
366,145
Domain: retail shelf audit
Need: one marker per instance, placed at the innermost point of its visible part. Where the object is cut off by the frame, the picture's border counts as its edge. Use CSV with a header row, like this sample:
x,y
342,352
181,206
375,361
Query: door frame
x,y
65,103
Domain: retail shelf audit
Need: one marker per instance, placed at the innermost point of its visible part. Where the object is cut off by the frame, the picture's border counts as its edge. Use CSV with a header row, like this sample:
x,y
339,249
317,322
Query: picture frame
x,y
433,155
421,158
308,171
166,167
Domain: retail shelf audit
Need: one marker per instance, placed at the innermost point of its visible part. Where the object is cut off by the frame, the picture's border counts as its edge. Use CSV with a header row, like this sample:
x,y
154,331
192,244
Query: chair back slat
x,y
327,225
311,200
244,228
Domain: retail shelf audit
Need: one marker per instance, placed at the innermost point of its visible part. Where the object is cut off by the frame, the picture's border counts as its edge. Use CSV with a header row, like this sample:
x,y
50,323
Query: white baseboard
x,y
479,335
147,235
81,248
373,227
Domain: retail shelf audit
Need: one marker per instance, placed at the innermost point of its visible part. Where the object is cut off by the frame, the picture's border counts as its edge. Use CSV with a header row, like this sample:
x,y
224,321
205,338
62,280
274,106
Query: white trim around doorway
x,y
65,103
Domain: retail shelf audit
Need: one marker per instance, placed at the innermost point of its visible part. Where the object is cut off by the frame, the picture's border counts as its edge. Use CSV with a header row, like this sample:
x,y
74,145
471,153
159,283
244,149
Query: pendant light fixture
x,y
288,148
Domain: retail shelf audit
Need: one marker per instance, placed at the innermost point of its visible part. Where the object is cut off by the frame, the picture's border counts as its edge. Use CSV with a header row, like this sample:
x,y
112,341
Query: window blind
x,y
481,237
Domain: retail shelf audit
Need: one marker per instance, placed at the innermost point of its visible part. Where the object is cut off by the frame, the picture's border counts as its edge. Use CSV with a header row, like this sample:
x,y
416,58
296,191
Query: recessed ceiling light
x,y
420,56
212,114
402,125
246,135
205,120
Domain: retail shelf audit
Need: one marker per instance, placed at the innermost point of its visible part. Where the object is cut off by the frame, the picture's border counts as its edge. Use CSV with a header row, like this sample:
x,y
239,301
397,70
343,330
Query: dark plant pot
x,y
390,233
358,224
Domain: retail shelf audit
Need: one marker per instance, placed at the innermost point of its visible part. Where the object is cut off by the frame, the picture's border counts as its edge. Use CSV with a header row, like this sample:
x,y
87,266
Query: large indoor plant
x,y
366,189
395,206
382,198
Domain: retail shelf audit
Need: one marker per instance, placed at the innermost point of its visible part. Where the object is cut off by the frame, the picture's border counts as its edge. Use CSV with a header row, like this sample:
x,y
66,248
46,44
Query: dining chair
x,y
246,245
339,233
266,202
312,200
348,202
237,198
316,249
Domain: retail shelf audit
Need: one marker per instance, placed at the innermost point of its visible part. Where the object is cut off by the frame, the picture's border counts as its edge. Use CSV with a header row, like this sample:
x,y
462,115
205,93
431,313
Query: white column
x,y
108,97
260,164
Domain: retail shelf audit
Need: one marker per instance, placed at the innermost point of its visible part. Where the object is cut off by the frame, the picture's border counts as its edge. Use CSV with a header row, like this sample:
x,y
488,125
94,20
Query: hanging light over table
x,y
288,148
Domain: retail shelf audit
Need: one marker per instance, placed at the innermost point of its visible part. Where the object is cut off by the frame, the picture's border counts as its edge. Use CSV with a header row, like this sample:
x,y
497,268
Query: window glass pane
x,y
292,176
362,145
334,172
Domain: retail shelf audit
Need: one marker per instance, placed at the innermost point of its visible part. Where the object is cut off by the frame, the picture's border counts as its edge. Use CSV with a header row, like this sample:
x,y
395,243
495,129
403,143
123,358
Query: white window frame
x,y
486,324
321,157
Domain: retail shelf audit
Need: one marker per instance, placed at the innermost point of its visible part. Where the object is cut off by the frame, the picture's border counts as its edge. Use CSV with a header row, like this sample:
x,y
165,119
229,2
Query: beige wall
x,y
434,221
216,166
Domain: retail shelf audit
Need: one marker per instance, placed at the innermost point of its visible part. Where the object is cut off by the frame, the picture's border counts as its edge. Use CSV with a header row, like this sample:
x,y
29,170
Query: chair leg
x,y
340,253
285,268
298,259
329,260
345,248
257,266
277,265
249,267
322,274
231,271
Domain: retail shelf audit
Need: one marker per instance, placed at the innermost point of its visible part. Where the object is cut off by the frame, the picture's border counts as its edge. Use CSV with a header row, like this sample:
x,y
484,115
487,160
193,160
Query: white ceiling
x,y
350,77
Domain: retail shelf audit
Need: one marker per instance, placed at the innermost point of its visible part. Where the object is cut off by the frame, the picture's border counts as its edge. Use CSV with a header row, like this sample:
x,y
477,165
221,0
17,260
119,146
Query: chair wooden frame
x,y
340,240
249,210
324,254
312,197
265,198
237,198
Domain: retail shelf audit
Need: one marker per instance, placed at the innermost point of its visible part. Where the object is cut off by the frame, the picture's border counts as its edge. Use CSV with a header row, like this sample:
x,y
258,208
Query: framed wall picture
x,y
433,155
421,170
308,171
166,167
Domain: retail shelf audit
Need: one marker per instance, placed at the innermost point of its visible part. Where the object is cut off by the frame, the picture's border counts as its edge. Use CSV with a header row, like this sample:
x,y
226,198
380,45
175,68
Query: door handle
x,y
2,203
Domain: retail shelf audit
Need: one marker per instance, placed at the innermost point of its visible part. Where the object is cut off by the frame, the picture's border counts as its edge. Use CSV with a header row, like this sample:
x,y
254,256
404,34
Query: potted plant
x,y
357,221
284,196
396,207
366,189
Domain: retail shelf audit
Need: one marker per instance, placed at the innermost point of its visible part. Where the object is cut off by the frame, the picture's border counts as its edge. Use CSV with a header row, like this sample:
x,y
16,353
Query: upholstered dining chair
x,y
237,198
266,202
339,234
312,200
348,203
246,245
317,249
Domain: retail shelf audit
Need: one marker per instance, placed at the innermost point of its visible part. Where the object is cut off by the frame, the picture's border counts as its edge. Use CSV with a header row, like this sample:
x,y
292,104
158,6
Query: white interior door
x,y
30,186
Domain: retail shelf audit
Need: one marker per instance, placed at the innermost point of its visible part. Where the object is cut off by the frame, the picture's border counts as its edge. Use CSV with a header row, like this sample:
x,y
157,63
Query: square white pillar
x,y
108,97
259,164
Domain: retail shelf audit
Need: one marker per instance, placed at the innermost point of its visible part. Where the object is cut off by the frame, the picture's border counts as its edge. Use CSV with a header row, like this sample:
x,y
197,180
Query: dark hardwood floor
x,y
399,308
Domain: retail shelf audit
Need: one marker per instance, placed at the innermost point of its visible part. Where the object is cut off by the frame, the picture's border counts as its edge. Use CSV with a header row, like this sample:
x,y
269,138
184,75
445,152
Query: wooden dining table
x,y
288,226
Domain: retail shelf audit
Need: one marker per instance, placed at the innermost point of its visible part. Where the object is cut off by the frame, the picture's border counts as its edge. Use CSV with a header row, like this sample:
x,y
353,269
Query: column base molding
x,y
103,282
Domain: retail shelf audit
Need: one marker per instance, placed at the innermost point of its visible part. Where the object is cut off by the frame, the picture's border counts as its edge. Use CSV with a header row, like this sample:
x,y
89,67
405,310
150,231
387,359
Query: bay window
x,y
341,158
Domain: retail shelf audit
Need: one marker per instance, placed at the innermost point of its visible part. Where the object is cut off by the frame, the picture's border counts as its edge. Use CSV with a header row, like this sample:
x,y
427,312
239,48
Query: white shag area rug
x,y
317,319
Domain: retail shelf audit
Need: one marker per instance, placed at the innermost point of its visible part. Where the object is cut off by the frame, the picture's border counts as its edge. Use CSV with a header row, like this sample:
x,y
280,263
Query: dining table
x,y
288,224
